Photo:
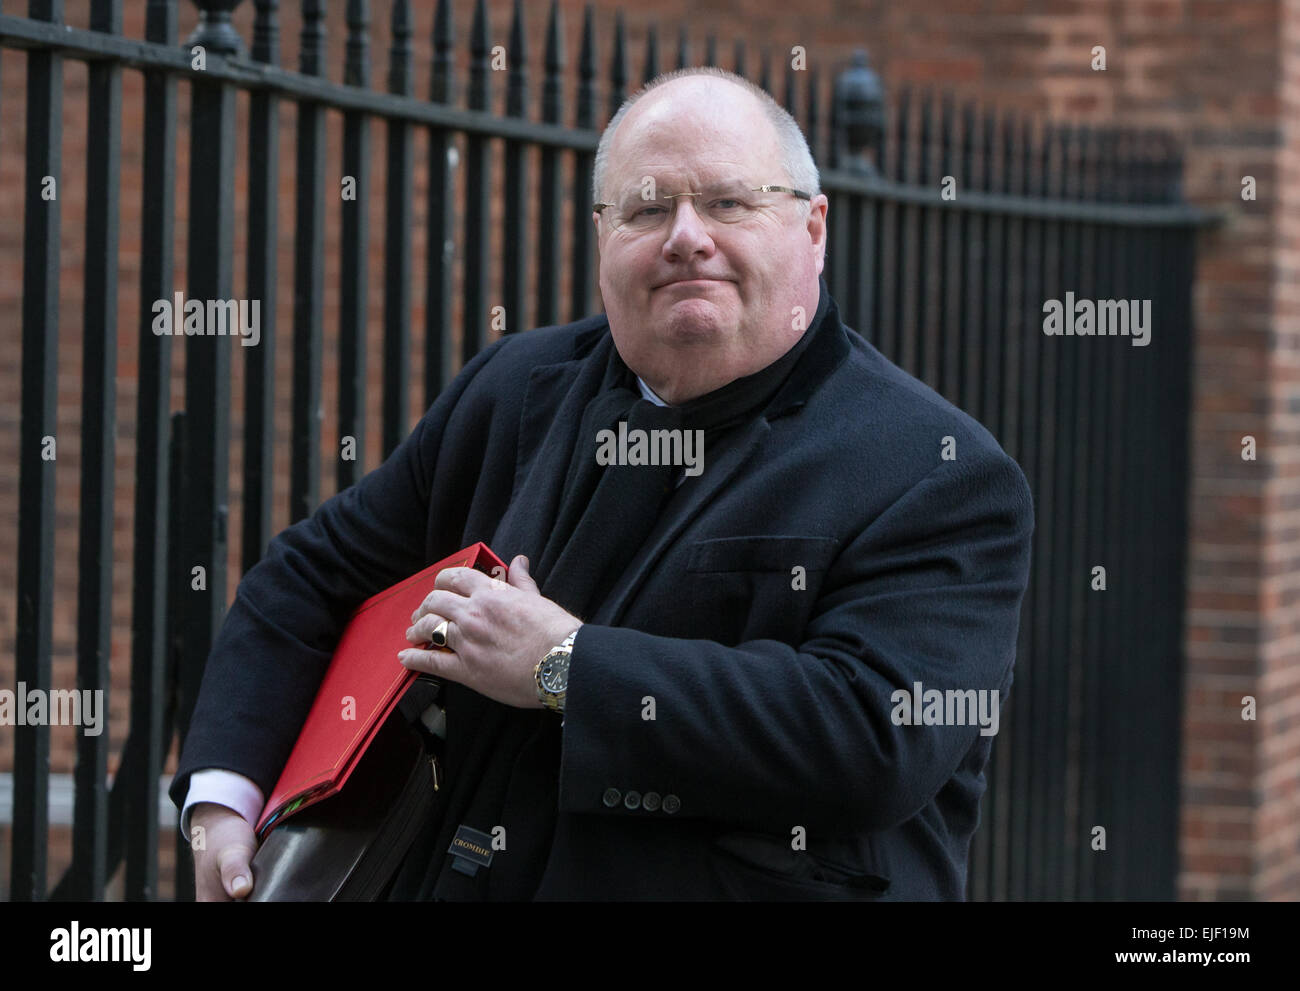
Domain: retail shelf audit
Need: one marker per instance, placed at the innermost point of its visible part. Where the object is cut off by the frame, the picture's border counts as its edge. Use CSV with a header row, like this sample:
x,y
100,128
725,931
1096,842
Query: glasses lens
x,y
723,203
637,213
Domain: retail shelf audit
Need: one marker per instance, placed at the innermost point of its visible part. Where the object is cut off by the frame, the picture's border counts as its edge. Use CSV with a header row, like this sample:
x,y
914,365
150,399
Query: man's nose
x,y
689,233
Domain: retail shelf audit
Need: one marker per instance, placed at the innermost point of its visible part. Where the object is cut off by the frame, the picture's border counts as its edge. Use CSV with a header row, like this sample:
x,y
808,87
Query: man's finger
x,y
439,663
236,873
519,576
421,632
208,886
463,581
443,604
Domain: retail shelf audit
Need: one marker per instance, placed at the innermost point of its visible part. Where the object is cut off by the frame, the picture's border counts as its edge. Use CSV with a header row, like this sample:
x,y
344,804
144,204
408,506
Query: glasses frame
x,y
768,188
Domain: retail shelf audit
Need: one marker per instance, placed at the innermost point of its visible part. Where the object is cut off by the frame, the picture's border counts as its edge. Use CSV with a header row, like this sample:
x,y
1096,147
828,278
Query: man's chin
x,y
695,320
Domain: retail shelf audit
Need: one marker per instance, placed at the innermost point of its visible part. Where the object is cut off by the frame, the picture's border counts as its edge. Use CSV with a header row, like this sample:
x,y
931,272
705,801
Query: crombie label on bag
x,y
472,850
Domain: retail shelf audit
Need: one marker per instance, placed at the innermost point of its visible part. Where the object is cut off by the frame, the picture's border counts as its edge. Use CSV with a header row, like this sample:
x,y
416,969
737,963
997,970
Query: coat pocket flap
x,y
762,553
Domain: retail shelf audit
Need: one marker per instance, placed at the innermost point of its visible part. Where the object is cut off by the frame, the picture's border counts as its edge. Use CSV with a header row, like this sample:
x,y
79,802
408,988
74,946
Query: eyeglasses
x,y
723,204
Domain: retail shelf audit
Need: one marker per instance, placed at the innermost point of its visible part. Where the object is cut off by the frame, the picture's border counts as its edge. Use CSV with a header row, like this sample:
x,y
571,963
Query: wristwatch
x,y
552,674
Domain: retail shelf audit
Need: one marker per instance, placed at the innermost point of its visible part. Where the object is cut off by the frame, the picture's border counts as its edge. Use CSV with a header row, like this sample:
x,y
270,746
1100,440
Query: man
x,y
737,626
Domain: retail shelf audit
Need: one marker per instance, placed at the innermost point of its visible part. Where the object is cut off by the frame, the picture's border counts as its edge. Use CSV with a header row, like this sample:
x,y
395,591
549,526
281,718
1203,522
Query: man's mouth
x,y
691,282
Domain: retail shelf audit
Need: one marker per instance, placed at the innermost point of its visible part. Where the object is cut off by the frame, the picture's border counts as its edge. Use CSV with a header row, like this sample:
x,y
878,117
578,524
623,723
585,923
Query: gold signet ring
x,y
439,635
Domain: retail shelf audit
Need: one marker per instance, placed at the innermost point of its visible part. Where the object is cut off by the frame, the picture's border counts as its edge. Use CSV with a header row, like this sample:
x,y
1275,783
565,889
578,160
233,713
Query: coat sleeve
x,y
290,609
767,735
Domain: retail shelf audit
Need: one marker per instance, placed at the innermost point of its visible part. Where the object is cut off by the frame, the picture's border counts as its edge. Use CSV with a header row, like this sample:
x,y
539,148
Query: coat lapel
x,y
554,400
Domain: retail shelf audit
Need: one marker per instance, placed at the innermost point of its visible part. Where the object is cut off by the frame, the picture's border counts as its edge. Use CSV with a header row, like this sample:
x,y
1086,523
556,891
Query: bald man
x,y
747,555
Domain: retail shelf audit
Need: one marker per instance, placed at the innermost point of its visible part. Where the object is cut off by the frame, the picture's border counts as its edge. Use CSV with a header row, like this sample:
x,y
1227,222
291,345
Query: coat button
x,y
672,803
650,801
612,796
632,800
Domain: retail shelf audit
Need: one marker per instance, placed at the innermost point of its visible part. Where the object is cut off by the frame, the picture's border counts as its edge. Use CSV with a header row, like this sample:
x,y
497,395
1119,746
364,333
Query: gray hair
x,y
795,156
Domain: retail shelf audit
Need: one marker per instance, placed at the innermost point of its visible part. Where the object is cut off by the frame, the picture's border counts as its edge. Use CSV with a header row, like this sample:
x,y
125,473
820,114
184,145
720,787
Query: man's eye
x,y
730,209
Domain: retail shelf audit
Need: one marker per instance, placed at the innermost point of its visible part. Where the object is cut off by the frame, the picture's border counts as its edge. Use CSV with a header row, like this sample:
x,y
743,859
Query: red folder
x,y
365,670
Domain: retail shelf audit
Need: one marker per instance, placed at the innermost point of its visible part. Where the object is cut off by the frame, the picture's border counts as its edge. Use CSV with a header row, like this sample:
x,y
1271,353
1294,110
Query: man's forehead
x,y
690,166
694,131
674,177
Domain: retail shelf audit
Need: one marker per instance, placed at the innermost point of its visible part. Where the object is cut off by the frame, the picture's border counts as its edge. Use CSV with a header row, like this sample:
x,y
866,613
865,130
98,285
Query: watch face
x,y
555,672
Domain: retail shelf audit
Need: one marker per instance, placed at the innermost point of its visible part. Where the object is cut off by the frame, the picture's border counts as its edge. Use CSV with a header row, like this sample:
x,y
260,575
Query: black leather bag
x,y
349,847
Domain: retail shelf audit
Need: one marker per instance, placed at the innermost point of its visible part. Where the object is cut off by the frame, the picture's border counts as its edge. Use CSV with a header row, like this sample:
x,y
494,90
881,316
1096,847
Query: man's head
x,y
695,300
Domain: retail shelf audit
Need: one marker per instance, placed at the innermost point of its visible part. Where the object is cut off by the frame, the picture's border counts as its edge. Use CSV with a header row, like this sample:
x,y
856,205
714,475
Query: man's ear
x,y
817,210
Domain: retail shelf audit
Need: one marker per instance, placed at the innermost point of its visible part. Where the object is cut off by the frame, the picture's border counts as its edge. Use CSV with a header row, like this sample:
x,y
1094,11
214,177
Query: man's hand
x,y
498,632
221,868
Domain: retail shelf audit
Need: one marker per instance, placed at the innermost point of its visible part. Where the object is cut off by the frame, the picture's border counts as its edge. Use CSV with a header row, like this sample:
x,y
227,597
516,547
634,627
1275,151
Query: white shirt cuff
x,y
222,787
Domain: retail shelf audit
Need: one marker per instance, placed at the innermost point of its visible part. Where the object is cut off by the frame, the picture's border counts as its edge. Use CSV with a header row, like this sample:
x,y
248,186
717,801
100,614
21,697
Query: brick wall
x,y
1222,74
1276,865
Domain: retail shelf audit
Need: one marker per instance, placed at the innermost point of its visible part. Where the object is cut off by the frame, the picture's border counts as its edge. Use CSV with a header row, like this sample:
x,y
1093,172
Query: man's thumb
x,y
519,576
236,874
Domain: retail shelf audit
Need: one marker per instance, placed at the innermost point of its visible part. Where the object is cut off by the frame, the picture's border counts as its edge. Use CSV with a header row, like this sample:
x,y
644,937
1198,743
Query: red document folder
x,y
366,671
